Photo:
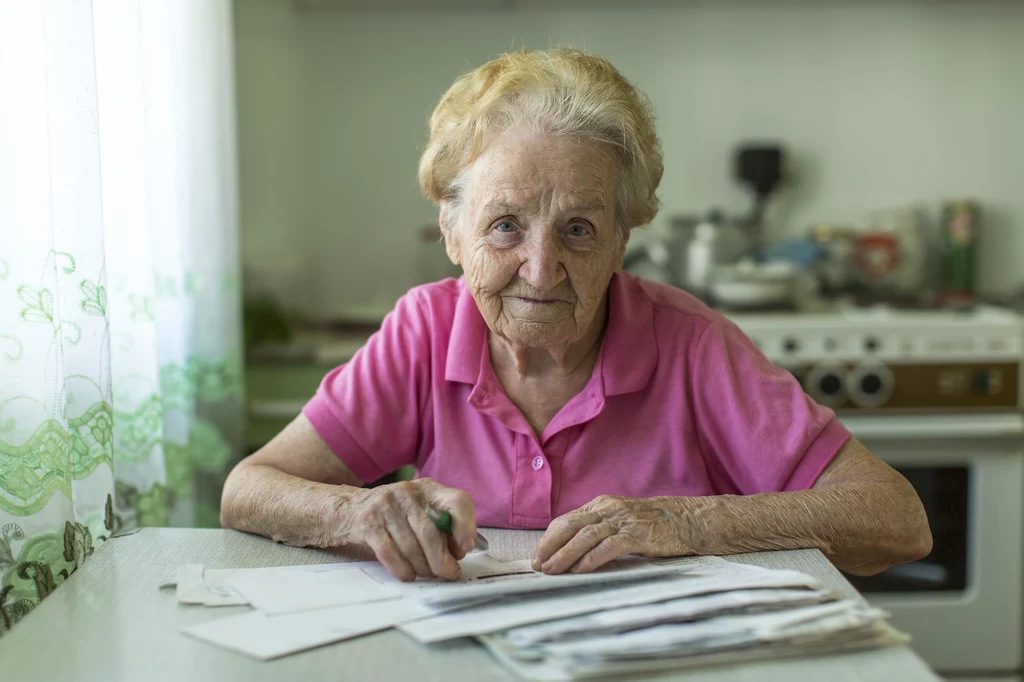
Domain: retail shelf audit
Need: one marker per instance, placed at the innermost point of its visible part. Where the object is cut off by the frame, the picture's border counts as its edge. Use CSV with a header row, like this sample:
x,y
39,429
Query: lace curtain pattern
x,y
120,329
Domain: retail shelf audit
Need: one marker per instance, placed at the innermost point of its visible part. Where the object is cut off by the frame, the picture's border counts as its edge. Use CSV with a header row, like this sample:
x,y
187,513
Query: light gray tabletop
x,y
109,622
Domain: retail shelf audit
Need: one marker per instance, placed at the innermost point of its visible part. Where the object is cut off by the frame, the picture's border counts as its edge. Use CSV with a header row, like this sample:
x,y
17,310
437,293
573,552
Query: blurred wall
x,y
879,103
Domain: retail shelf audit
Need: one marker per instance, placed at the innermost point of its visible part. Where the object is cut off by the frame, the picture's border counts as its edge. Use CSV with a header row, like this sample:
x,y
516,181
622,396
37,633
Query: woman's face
x,y
536,237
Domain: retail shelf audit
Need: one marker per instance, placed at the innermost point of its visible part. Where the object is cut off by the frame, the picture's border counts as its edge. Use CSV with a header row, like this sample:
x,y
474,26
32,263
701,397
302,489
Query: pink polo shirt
x,y
680,403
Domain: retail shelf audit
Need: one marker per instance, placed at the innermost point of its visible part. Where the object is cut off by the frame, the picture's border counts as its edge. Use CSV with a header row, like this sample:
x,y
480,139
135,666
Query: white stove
x,y
882,360
937,394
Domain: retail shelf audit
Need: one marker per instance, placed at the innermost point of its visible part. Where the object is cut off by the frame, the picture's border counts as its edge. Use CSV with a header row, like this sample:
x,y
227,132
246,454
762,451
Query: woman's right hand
x,y
392,521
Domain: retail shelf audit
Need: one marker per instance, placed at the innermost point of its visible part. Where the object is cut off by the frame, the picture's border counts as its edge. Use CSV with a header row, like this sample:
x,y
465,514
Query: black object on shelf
x,y
760,168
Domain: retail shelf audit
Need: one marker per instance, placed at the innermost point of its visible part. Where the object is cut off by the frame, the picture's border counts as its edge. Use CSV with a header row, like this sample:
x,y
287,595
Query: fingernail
x,y
536,564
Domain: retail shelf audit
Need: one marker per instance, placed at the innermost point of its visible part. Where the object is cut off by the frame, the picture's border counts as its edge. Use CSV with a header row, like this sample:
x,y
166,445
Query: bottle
x,y
700,259
959,240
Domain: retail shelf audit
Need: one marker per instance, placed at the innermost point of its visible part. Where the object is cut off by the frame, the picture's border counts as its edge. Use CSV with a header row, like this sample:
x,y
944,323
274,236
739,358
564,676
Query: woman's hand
x,y
611,527
392,521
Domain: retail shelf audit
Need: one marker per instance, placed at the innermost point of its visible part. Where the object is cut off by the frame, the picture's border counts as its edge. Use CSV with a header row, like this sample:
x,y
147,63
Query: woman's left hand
x,y
611,527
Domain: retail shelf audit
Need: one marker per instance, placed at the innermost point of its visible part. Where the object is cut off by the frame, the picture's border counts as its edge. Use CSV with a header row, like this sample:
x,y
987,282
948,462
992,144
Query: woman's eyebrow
x,y
500,206
586,207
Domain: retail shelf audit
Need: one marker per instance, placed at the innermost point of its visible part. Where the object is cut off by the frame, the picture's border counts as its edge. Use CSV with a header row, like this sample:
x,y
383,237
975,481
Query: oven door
x,y
962,604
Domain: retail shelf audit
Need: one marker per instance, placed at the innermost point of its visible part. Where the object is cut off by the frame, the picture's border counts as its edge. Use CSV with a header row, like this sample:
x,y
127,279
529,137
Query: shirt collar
x,y
467,340
630,352
628,357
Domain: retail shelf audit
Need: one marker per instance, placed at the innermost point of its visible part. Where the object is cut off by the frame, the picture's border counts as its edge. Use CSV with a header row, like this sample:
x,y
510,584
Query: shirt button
x,y
538,462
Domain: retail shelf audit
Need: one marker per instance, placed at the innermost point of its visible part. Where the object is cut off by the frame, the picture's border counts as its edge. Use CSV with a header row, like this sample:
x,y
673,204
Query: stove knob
x,y
872,344
981,382
827,385
870,385
830,384
790,345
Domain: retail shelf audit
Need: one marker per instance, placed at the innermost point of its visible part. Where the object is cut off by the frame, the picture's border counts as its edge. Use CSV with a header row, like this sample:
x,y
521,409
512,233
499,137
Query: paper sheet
x,y
709,574
807,561
476,568
193,588
724,631
552,670
659,613
265,637
282,590
522,581
515,545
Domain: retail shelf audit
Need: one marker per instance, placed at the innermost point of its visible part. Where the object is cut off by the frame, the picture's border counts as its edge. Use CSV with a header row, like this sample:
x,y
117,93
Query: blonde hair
x,y
563,92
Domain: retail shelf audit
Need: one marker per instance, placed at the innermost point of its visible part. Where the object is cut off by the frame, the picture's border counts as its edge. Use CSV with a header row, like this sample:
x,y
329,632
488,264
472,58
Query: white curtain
x,y
120,334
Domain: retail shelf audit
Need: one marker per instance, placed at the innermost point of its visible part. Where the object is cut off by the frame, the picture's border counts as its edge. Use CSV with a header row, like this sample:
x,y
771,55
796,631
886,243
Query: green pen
x,y
443,522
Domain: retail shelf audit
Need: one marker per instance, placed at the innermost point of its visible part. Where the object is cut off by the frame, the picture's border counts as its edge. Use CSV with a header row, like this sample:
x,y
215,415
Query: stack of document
x,y
633,615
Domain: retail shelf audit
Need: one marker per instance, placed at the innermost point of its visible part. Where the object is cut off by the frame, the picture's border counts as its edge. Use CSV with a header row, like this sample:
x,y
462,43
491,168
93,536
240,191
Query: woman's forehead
x,y
520,171
529,201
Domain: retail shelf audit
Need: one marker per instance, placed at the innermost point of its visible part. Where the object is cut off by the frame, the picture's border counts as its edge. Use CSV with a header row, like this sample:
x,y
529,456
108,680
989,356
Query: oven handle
x,y
931,427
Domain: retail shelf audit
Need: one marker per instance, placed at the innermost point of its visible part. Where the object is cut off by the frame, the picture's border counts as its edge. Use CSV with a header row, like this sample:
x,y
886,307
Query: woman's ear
x,y
449,229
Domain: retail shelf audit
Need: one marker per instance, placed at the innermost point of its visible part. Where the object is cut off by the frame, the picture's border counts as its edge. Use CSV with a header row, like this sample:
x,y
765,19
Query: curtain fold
x,y
120,313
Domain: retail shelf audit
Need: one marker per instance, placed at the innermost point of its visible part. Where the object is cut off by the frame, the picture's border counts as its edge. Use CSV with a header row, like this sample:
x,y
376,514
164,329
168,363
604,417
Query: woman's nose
x,y
543,268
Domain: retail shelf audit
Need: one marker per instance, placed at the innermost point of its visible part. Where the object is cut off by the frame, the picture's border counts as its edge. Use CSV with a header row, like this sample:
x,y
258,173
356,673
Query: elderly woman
x,y
548,389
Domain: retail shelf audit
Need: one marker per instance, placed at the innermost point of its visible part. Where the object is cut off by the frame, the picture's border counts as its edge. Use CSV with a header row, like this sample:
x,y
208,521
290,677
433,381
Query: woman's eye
x,y
505,226
578,231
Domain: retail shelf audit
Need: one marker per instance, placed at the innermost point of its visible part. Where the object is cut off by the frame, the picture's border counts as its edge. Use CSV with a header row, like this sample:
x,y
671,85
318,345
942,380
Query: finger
x,y
586,539
388,554
609,549
434,545
559,532
463,511
453,547
408,544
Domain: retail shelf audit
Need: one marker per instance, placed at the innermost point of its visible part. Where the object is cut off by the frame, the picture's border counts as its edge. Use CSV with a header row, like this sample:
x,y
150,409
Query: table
x,y
110,622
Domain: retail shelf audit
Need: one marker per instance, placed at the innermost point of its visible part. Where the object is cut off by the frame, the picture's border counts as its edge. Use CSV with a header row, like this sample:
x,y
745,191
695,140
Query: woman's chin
x,y
539,334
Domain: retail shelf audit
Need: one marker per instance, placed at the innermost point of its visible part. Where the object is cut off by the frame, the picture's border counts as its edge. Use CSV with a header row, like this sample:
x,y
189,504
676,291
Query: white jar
x,y
700,259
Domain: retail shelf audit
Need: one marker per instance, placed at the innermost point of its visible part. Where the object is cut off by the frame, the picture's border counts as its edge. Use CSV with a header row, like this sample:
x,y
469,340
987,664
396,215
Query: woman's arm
x,y
295,490
292,490
863,515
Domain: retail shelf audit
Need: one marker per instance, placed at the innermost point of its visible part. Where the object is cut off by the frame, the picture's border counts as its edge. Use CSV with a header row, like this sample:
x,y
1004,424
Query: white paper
x,y
282,590
718,632
700,577
475,568
523,581
659,613
549,669
193,588
809,561
264,637
693,561
515,545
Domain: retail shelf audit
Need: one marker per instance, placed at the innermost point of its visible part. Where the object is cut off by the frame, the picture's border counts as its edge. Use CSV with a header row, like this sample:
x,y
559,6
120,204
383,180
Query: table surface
x,y
110,622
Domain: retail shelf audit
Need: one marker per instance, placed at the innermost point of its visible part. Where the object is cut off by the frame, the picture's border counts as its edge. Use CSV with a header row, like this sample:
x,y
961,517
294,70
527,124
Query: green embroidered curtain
x,y
120,367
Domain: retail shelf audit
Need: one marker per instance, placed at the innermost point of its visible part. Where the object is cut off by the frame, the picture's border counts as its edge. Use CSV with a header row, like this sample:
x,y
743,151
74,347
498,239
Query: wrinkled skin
x,y
863,515
536,236
392,521
610,527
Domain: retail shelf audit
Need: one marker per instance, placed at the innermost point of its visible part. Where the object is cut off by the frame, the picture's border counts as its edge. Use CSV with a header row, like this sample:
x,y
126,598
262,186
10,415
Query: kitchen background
x,y
878,104
886,112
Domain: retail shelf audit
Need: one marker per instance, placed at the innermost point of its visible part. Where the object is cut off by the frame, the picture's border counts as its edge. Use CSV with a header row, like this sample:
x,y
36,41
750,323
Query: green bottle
x,y
959,248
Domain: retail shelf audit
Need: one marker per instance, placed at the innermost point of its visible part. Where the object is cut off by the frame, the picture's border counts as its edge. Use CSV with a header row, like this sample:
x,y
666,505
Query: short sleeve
x,y
758,430
370,410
